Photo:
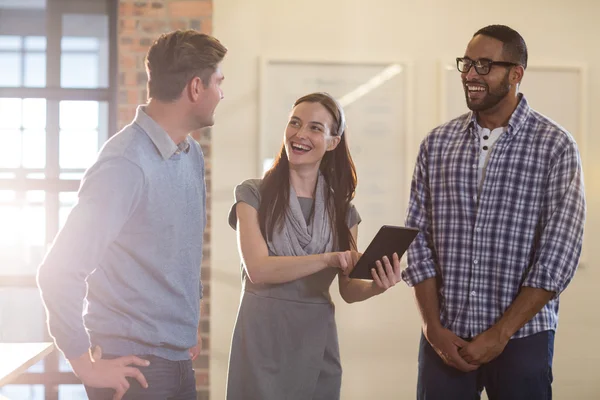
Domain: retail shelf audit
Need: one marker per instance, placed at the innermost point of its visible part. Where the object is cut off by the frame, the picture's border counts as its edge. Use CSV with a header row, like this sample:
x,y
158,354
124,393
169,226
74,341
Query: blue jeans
x,y
167,380
522,372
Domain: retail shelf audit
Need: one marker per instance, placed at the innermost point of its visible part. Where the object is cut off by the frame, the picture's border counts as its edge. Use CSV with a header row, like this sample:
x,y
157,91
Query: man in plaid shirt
x,y
498,197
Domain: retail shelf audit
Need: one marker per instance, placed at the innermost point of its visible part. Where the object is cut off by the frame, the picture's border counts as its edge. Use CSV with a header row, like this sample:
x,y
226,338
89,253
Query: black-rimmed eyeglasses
x,y
483,66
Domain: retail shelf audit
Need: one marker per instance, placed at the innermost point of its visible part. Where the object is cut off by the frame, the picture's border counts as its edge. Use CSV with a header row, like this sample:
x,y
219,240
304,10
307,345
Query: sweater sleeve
x,y
107,197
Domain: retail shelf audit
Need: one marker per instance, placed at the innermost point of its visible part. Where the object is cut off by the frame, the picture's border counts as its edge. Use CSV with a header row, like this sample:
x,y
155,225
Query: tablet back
x,y
389,240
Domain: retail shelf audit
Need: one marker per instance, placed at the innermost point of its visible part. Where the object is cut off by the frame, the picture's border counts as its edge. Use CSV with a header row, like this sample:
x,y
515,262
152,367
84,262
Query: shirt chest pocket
x,y
519,186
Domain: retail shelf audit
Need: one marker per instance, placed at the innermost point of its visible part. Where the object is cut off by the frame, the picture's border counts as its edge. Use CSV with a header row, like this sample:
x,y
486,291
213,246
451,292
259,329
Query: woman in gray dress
x,y
296,230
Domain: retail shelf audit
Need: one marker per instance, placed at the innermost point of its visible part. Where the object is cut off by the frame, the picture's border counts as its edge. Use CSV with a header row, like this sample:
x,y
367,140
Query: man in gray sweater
x,y
121,283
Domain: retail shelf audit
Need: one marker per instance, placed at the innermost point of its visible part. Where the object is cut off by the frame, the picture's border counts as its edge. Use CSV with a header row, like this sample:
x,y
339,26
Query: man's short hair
x,y
177,57
514,47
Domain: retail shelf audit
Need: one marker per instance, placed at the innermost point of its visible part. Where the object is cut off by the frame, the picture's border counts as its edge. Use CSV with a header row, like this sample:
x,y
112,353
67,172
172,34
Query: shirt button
x,y
474,165
486,137
485,148
475,197
475,261
473,293
477,229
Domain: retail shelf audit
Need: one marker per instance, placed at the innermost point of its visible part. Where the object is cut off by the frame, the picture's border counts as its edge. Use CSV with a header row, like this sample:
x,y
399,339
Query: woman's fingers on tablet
x,y
388,268
382,275
393,272
376,279
397,269
386,273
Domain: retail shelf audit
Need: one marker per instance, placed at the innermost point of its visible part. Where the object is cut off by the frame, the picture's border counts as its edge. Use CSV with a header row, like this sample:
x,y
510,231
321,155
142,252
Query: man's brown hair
x,y
177,57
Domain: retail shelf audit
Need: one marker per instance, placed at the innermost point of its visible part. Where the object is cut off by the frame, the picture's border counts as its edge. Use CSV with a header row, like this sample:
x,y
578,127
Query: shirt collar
x,y
481,131
517,119
163,142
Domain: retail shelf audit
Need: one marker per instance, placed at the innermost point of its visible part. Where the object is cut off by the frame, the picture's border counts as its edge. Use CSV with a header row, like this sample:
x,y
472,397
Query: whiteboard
x,y
374,97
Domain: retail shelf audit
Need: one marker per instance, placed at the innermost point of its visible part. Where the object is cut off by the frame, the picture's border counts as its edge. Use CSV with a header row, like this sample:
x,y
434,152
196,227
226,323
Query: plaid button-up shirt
x,y
524,228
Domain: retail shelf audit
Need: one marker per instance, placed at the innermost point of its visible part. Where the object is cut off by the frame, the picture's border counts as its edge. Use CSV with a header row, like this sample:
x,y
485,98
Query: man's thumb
x,y
97,353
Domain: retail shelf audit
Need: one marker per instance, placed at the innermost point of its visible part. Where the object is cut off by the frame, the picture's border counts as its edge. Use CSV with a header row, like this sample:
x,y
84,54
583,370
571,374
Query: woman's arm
x,y
262,268
385,276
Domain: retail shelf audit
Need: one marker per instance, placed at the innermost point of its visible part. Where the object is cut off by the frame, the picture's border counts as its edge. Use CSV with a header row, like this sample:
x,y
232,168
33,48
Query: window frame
x,y
52,185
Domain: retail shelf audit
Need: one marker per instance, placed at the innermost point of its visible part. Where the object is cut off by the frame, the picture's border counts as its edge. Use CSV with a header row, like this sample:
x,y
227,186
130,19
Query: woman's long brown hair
x,y
337,168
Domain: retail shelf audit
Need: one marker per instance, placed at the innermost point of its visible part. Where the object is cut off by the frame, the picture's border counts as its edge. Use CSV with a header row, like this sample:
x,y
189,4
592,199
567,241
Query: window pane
x,y
102,123
37,367
78,115
71,392
63,364
78,149
16,303
79,71
23,18
35,43
34,113
35,196
34,149
10,69
72,175
67,201
27,149
80,43
35,69
23,4
10,113
10,148
7,195
22,233
10,42
35,175
80,124
8,214
23,392
85,51
33,231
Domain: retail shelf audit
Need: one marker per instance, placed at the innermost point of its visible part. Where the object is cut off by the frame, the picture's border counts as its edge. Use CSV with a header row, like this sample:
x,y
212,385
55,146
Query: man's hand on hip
x,y
98,373
195,351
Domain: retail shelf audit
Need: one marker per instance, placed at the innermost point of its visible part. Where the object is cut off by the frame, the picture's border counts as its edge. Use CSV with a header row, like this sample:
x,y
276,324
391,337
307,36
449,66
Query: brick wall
x,y
139,24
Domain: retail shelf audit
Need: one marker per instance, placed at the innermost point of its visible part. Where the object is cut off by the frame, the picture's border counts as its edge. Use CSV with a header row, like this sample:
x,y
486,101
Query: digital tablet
x,y
389,240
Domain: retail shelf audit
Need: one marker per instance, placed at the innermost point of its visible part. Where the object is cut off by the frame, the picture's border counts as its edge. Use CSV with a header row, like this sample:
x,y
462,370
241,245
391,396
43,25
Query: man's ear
x,y
333,142
516,74
195,88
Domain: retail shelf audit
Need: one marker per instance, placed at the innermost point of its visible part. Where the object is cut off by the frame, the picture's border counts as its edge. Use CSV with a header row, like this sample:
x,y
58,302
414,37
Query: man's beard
x,y
492,98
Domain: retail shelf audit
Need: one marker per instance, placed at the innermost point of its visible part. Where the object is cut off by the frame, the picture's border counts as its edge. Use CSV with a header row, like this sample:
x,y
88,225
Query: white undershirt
x,y
486,142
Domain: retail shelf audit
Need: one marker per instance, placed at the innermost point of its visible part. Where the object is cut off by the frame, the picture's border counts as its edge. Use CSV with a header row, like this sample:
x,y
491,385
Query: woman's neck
x,y
304,180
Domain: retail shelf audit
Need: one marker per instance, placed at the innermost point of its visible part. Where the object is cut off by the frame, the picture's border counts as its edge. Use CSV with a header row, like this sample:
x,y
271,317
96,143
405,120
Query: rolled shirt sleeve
x,y
421,256
557,257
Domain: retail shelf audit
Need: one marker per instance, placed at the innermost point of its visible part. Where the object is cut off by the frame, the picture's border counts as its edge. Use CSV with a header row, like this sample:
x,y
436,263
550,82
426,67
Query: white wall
x,y
379,338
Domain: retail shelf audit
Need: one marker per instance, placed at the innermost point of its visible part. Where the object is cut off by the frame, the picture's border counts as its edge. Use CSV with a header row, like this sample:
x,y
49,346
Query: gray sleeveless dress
x,y
285,344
